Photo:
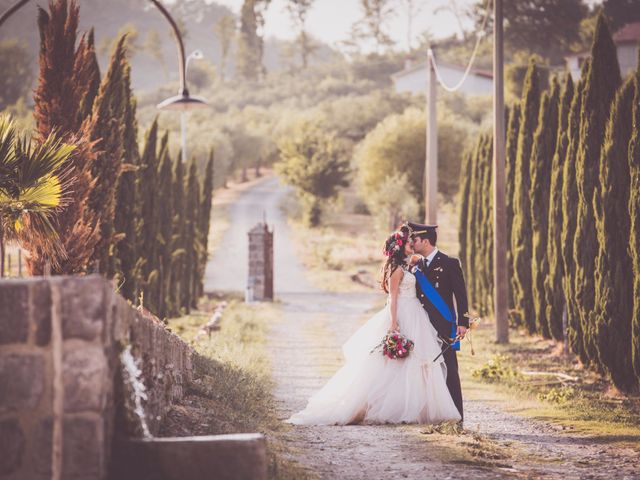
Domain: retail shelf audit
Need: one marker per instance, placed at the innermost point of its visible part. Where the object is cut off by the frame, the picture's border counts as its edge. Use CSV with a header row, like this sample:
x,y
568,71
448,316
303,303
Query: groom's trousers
x,y
453,379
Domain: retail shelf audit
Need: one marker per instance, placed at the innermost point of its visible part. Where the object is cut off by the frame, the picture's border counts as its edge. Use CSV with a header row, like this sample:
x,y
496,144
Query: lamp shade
x,y
183,102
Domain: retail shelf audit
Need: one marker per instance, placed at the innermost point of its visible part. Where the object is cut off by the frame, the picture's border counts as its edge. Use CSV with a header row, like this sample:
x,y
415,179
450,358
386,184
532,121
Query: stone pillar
x,y
260,279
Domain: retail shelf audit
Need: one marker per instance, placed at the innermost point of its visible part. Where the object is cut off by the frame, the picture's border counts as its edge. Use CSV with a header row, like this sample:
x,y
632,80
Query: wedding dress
x,y
370,388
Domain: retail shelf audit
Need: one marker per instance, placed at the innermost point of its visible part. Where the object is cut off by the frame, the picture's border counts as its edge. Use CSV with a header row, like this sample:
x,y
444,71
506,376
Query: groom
x,y
444,273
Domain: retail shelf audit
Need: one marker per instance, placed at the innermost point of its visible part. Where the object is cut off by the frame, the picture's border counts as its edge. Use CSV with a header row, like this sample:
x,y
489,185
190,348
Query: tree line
x,y
573,213
139,218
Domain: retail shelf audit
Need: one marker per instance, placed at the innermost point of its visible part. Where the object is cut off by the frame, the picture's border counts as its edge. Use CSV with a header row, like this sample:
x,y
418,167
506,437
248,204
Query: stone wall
x,y
60,340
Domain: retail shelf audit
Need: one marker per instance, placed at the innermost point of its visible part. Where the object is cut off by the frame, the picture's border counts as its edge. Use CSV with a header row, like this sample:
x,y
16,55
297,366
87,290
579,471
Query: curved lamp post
x,y
13,9
185,107
183,102
195,55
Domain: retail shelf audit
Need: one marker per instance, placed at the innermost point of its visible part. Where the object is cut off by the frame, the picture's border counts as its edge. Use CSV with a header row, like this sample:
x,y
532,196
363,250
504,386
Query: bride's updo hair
x,y
394,251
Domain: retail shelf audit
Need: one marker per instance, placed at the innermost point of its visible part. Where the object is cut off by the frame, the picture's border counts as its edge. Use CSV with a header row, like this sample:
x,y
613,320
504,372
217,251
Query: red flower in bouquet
x,y
395,346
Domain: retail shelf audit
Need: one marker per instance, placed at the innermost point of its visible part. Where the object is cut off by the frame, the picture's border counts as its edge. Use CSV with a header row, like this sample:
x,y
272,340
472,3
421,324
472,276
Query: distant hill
x,y
108,17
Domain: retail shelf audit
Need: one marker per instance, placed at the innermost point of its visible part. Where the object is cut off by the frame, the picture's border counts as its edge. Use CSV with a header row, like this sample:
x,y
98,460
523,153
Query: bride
x,y
371,388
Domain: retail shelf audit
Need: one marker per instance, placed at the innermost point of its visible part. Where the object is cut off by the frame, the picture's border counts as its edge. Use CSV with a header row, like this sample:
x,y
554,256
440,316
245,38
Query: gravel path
x,y
306,346
306,351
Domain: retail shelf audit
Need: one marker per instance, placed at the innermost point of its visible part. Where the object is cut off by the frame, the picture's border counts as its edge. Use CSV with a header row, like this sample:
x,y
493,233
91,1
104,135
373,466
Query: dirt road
x,y
306,351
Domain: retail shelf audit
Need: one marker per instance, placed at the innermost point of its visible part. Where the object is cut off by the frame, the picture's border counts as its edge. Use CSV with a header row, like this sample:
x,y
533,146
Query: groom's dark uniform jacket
x,y
445,274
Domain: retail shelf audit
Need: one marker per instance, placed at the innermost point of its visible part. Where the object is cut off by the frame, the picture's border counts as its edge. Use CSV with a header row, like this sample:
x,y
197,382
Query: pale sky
x,y
331,20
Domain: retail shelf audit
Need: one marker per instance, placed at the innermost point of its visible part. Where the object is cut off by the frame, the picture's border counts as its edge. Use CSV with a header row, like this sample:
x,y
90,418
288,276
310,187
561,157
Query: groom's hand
x,y
462,331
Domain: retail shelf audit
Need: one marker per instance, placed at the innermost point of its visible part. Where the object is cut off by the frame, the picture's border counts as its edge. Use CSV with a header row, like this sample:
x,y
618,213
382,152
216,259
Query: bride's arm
x,y
394,287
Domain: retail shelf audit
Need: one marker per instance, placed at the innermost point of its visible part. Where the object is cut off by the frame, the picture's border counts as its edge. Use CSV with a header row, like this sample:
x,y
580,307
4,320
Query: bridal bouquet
x,y
395,346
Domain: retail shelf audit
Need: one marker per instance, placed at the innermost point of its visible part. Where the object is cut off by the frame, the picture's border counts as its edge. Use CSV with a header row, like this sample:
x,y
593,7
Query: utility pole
x,y
501,286
431,163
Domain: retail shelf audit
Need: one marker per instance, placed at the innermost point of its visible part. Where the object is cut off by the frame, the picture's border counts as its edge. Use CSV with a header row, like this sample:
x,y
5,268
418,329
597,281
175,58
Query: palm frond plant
x,y
34,184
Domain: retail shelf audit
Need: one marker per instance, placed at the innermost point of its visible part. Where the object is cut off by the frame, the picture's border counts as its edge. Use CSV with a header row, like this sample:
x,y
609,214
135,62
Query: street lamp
x,y
183,105
195,55
183,102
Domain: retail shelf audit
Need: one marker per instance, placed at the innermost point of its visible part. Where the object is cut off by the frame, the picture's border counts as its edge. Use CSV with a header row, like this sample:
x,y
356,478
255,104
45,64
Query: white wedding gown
x,y
370,388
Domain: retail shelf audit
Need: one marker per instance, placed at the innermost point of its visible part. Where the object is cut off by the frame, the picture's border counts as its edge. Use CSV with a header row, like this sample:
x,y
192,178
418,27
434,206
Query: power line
x,y
479,36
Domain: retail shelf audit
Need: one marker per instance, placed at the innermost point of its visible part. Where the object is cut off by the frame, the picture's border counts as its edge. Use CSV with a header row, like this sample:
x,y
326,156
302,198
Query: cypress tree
x,y
569,202
86,64
486,227
472,221
478,236
147,188
485,253
58,94
61,88
614,270
478,225
553,294
513,128
191,236
205,221
165,232
164,145
249,55
521,241
106,130
178,239
544,146
467,239
465,174
601,82
127,212
157,266
634,214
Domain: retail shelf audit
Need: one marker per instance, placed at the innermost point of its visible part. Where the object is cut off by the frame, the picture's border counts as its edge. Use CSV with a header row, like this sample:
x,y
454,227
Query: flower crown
x,y
398,240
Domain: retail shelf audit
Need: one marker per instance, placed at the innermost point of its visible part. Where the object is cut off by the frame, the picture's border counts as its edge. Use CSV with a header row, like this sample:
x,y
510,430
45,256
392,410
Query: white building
x,y
413,79
627,40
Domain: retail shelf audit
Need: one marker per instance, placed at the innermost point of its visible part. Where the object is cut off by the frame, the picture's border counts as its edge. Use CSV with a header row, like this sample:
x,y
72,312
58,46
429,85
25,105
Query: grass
x,y
336,261
450,444
345,253
232,391
497,375
241,341
584,404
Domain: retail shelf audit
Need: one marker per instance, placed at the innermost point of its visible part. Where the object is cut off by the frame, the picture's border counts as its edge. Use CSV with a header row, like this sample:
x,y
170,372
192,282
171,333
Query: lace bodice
x,y
407,285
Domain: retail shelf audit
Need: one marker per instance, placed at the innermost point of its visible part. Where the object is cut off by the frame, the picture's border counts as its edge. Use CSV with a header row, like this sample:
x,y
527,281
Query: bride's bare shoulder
x,y
397,273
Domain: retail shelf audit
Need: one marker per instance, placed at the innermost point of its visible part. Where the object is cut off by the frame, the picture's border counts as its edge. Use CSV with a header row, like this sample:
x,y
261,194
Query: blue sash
x,y
437,301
